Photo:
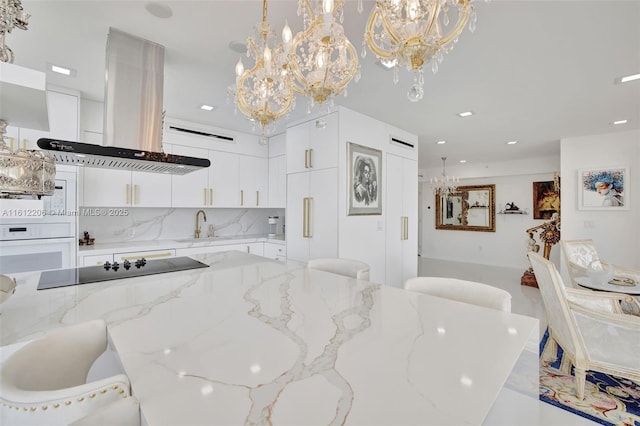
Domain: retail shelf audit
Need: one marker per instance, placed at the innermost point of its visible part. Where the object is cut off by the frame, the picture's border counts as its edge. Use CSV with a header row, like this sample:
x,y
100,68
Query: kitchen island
x,y
254,341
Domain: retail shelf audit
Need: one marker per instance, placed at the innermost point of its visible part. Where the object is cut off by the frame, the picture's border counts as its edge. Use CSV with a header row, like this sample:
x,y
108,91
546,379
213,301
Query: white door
x,y
297,146
254,176
323,216
297,191
223,179
323,142
151,189
190,190
394,220
106,188
278,181
410,211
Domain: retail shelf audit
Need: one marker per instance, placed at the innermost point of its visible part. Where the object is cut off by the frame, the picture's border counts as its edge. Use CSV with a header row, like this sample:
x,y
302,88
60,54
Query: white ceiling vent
x,y
399,142
222,138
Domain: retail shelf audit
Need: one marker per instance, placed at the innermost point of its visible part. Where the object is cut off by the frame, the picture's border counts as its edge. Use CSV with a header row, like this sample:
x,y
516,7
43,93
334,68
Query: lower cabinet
x,y
275,251
150,254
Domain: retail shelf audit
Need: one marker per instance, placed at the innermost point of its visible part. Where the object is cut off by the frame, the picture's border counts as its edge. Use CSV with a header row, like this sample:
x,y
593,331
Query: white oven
x,y
37,235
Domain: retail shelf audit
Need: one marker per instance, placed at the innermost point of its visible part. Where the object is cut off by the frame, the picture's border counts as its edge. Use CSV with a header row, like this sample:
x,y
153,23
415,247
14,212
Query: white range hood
x,y
23,97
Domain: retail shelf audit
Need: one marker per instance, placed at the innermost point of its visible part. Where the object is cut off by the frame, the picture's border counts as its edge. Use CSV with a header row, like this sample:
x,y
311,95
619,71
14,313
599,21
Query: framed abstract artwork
x,y
605,188
365,180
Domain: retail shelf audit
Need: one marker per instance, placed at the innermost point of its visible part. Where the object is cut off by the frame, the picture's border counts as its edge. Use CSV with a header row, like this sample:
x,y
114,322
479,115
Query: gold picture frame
x,y
469,208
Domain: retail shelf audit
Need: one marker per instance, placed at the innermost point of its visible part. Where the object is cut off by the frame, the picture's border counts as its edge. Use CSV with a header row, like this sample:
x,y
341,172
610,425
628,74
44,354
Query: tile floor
x,y
525,301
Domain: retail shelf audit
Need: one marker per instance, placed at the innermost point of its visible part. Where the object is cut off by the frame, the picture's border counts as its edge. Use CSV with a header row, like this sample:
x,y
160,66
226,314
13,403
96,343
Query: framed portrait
x,y
604,188
364,181
546,199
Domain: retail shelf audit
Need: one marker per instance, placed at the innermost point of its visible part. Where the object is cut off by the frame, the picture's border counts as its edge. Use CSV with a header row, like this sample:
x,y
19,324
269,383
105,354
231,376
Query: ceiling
x,y
533,71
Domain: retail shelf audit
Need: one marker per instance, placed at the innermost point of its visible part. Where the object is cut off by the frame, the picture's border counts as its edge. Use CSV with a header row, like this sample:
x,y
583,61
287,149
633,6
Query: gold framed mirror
x,y
469,208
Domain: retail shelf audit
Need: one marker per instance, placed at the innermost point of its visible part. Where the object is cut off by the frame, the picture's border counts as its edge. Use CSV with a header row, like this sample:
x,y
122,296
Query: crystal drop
x,y
299,9
309,107
415,93
358,75
345,93
455,40
434,67
472,24
396,78
360,6
445,19
341,16
440,56
421,78
363,54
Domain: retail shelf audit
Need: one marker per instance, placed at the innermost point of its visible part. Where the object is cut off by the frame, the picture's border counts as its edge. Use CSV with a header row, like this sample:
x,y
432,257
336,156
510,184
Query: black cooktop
x,y
115,271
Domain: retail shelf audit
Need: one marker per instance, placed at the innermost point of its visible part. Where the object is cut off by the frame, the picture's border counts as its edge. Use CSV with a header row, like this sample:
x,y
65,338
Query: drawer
x,y
150,254
95,259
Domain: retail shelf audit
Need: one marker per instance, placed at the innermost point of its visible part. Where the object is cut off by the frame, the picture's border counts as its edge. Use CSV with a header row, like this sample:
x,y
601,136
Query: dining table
x,y
248,340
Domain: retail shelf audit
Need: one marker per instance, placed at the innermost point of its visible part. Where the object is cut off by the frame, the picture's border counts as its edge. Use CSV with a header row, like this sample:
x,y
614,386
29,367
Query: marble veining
x,y
254,341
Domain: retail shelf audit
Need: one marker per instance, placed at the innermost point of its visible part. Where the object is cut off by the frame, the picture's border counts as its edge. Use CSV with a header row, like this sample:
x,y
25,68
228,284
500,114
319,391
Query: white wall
x,y
363,237
616,233
505,247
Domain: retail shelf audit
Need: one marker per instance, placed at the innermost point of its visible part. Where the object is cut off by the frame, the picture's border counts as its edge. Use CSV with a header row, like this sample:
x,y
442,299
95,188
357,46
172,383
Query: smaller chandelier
x,y
322,59
445,184
264,93
11,16
412,33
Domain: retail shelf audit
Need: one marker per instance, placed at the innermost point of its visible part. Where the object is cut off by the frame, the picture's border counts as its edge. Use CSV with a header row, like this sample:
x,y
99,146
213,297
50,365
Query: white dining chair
x,y
44,382
462,291
592,338
7,287
347,267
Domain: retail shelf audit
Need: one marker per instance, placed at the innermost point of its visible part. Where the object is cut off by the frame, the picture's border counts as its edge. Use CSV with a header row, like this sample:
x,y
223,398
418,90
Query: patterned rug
x,y
609,400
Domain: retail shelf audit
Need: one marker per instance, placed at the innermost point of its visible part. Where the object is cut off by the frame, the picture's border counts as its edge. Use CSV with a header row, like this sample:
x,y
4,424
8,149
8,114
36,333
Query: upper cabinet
x,y
312,145
63,122
122,188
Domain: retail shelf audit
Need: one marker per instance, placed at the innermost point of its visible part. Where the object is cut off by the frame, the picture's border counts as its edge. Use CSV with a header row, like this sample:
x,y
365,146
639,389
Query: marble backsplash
x,y
143,224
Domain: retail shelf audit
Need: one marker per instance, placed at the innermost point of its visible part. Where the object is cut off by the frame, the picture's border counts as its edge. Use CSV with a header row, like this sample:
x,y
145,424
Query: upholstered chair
x,y
347,267
44,382
462,291
592,338
578,254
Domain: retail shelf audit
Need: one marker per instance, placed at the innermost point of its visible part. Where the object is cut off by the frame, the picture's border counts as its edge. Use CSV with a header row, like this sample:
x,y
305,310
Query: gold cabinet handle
x,y
136,194
404,223
204,193
306,158
25,142
310,158
257,198
242,197
210,196
306,219
149,256
11,140
128,194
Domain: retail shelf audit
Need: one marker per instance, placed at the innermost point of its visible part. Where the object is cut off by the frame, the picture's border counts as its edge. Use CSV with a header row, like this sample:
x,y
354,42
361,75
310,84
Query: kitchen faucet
x,y
204,216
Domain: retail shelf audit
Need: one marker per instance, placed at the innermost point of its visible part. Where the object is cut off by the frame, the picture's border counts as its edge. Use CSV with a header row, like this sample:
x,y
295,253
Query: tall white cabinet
x,y
401,219
312,187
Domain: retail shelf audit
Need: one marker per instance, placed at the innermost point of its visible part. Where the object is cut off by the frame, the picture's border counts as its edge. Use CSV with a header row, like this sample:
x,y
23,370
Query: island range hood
x,y
133,116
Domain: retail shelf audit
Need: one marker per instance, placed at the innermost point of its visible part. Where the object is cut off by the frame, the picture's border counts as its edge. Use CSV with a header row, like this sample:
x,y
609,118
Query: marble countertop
x,y
254,341
106,248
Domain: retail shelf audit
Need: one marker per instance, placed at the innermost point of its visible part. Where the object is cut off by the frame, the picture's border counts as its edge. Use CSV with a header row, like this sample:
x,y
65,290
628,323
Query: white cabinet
x,y
63,122
275,251
401,219
253,180
95,259
122,188
313,145
312,214
224,187
233,180
278,181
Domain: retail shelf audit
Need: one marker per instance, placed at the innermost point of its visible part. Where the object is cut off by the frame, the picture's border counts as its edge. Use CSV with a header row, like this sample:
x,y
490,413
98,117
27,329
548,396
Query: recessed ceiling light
x,y
615,123
159,10
207,107
512,142
466,114
62,70
628,78
238,46
441,142
463,161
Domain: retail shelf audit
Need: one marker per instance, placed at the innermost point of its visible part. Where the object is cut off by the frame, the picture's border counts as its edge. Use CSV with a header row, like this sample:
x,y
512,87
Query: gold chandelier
x,y
264,93
412,33
322,59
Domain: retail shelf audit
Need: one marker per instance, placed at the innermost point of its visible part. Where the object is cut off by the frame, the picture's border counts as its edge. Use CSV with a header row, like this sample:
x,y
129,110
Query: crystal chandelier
x,y
11,16
412,33
322,59
445,184
264,93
